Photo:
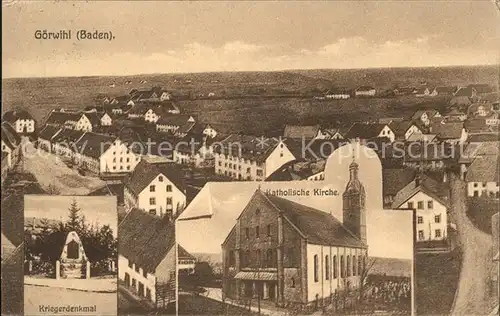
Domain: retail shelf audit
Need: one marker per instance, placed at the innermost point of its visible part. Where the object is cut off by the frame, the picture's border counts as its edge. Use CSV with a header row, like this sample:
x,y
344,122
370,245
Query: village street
x,y
51,172
472,296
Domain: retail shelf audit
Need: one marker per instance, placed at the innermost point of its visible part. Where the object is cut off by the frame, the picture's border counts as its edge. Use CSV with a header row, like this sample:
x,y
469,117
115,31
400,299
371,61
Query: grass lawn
x,y
437,278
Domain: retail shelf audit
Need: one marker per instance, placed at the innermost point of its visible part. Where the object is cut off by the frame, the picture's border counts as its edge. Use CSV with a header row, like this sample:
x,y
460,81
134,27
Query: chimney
x,y
417,180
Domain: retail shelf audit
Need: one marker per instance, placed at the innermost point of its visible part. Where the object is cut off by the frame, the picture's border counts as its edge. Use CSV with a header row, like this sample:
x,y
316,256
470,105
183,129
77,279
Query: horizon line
x,y
249,71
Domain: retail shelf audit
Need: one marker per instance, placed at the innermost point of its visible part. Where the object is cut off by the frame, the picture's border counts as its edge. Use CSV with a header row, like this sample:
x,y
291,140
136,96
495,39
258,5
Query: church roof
x,y
318,227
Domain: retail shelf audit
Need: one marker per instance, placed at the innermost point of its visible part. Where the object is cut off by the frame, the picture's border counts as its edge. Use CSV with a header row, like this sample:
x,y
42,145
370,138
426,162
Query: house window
x,y
269,230
475,184
169,201
130,264
257,232
152,211
247,233
410,205
248,170
420,205
114,159
151,188
220,163
342,267
327,267
420,220
152,201
484,184
359,265
430,204
169,188
121,159
260,172
258,257
437,233
269,258
315,268
420,235
281,154
354,265
437,218
476,193
160,178
348,266
335,267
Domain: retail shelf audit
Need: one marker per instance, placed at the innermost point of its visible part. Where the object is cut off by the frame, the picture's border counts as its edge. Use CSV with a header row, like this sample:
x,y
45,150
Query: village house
x,y
455,115
64,142
171,123
89,149
428,155
481,88
289,253
443,91
46,135
189,128
299,170
106,119
155,94
186,262
423,92
431,204
404,129
11,146
245,157
117,157
368,131
194,150
147,257
425,116
156,188
63,118
337,94
305,132
469,92
480,109
88,122
394,180
481,125
21,120
404,91
421,138
480,164
336,133
365,91
449,132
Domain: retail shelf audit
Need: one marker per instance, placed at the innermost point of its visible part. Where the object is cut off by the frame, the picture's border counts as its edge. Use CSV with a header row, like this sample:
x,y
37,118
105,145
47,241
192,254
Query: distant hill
x,y
391,266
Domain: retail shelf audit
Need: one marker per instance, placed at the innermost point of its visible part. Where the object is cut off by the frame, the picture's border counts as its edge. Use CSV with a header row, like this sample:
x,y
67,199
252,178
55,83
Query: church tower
x,y
353,206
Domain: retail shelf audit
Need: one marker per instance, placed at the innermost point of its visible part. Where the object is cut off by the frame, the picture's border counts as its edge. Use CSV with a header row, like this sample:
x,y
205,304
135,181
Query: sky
x,y
200,36
98,210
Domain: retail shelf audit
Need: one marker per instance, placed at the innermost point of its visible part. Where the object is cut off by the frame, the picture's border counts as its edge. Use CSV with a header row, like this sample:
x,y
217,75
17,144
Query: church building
x,y
296,255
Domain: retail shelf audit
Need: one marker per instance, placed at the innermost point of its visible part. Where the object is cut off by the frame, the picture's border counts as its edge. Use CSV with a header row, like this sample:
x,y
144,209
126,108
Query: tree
x,y
74,220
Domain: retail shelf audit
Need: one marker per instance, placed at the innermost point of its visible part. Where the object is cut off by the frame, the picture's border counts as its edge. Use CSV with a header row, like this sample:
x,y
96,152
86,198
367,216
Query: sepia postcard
x,y
250,158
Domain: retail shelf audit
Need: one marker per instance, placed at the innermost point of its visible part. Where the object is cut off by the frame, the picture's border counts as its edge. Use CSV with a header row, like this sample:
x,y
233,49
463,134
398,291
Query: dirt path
x,y
472,294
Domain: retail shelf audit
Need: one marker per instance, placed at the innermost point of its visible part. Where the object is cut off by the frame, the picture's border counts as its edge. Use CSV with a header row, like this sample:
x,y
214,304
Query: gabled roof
x,y
318,227
417,137
445,90
183,253
67,135
474,107
173,119
396,179
478,125
48,132
59,118
93,118
465,92
145,239
399,128
427,185
13,116
247,147
185,128
145,172
446,130
10,136
93,144
301,132
418,114
481,87
365,131
484,168
365,88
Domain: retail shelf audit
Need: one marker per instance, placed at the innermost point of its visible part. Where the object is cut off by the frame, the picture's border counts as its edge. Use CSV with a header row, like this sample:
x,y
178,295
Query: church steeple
x,y
354,217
